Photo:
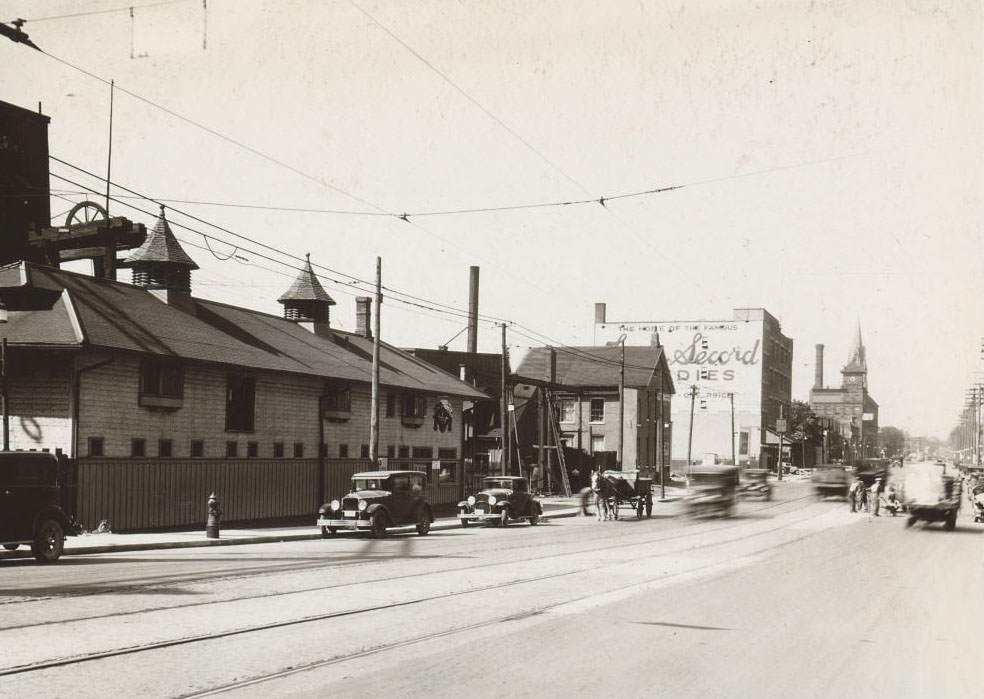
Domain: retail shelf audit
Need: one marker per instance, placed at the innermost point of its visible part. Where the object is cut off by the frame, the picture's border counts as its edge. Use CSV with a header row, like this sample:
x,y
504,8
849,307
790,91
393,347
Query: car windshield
x,y
498,483
368,484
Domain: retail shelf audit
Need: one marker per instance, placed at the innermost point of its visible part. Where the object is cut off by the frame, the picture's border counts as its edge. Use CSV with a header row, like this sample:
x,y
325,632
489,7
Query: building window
x,y
197,448
96,446
336,403
298,450
232,449
278,450
161,383
343,451
138,447
390,451
403,452
743,443
423,453
447,453
413,410
252,449
597,413
240,402
165,448
568,410
364,452
597,443
390,404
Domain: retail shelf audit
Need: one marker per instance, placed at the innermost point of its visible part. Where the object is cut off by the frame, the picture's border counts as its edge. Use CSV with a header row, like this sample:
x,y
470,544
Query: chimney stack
x,y
818,375
363,316
600,312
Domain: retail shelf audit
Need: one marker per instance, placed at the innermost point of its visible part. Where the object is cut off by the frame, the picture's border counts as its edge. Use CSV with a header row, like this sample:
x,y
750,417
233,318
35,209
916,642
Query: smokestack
x,y
363,316
550,373
473,309
600,312
818,375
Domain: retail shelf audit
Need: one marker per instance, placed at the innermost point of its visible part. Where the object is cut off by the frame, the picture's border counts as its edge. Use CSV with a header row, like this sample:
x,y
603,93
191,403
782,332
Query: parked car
x,y
33,504
377,501
502,498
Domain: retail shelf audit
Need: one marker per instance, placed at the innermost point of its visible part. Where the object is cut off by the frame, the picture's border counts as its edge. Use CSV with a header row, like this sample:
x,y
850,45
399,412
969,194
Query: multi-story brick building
x,y
733,375
162,397
850,408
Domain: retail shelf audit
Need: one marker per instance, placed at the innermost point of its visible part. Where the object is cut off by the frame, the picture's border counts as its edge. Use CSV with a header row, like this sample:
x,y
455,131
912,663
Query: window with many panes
x,y
161,383
414,405
138,447
597,412
232,449
240,402
568,410
252,449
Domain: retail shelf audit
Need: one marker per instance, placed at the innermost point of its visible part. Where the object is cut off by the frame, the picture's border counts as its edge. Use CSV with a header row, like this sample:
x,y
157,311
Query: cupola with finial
x,y
307,303
162,266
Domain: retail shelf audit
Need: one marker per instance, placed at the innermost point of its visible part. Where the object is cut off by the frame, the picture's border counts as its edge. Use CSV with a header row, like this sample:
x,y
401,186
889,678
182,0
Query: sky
x,y
819,159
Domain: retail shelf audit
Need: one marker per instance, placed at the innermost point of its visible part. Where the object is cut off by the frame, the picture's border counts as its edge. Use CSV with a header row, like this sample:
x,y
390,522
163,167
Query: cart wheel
x,y
649,506
640,509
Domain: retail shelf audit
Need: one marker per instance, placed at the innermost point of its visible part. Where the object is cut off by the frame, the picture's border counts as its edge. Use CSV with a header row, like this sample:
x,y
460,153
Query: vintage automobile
x,y
34,504
930,495
755,483
831,479
712,491
502,498
379,500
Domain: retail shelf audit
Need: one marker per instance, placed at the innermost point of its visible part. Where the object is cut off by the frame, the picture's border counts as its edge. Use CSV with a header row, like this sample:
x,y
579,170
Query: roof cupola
x,y
307,302
162,266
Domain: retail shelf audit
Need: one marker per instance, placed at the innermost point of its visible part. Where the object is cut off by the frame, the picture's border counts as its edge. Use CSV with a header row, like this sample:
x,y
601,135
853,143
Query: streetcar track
x,y
407,576
199,638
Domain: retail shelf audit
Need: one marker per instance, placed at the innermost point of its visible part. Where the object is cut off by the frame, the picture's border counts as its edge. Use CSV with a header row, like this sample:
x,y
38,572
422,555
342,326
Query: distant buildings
x,y
853,412
735,371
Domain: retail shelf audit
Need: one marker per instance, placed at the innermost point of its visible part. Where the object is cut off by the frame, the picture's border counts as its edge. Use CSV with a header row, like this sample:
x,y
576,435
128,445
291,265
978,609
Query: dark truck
x,y
36,503
831,479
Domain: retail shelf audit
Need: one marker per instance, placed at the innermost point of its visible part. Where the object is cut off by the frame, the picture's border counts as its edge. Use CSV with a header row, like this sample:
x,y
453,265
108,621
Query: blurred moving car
x,y
930,495
502,498
831,480
755,483
712,491
379,500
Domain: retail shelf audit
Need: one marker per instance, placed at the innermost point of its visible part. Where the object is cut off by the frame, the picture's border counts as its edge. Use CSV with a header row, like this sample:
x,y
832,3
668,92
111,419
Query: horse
x,y
603,490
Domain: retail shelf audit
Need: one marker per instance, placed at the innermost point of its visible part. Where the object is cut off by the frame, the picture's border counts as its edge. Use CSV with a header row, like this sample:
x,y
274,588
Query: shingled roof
x,y
160,245
595,367
99,313
306,287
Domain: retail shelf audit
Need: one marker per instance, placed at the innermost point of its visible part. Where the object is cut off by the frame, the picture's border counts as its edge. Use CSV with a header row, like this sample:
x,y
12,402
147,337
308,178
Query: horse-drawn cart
x,y
632,488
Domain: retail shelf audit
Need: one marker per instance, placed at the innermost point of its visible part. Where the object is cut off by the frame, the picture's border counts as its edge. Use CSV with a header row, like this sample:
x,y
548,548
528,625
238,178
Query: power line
x,y
106,11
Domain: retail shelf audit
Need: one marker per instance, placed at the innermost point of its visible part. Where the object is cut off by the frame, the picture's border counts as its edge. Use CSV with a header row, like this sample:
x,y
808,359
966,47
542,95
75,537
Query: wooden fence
x,y
146,494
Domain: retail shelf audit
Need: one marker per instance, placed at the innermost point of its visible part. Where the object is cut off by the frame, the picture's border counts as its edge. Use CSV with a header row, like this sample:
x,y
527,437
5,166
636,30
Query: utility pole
x,y
3,385
502,408
690,435
781,429
621,402
734,459
374,407
659,441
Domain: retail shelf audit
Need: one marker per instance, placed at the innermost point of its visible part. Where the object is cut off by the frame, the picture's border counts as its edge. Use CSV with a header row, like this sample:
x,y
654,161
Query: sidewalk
x,y
90,543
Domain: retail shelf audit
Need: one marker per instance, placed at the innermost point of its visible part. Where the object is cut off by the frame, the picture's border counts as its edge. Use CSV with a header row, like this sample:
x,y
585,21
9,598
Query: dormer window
x,y
336,403
161,384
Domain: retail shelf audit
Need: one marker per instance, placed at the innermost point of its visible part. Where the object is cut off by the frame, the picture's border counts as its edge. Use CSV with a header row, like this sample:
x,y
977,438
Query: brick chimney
x,y
363,316
818,370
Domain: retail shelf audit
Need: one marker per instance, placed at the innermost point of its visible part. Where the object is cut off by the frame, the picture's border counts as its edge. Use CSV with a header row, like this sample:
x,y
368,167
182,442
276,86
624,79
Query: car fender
x,y
57,514
378,507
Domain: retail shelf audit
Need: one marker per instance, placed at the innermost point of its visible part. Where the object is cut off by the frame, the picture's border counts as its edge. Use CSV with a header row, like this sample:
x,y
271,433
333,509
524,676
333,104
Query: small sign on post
x,y
781,425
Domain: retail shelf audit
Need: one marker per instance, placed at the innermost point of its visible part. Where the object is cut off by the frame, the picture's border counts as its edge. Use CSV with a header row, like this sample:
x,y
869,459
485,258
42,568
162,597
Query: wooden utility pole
x,y
621,402
503,415
690,435
734,459
374,407
659,441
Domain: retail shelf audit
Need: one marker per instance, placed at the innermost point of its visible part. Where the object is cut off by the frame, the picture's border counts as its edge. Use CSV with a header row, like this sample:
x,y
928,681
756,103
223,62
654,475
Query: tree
x,y
892,440
804,429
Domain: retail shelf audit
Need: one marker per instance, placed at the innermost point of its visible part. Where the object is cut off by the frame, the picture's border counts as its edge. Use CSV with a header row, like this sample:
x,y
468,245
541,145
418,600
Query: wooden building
x,y
163,398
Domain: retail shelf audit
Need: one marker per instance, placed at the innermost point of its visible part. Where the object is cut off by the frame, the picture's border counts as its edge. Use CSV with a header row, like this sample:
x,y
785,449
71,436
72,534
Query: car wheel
x,y
11,547
49,542
327,532
378,525
423,523
464,523
535,518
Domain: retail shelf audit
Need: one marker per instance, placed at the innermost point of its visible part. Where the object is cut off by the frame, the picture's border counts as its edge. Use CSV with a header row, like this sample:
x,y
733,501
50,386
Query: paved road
x,y
790,598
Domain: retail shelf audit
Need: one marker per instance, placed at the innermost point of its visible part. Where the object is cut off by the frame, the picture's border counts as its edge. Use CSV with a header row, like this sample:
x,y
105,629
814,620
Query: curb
x,y
441,524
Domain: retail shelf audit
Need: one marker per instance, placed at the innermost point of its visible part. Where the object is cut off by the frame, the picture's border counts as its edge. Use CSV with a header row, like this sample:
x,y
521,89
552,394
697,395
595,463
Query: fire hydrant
x,y
212,523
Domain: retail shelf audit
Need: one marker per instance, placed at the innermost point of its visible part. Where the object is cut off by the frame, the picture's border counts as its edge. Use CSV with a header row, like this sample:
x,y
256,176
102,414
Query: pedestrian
x,y
875,492
575,480
535,479
852,494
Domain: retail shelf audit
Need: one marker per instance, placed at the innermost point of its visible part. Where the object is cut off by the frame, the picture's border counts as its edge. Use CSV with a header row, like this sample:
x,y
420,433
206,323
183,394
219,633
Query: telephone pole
x,y
734,460
503,416
374,407
690,435
621,402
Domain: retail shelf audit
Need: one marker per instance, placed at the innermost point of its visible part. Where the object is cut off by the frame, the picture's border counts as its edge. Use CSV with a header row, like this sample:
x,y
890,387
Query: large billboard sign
x,y
723,359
